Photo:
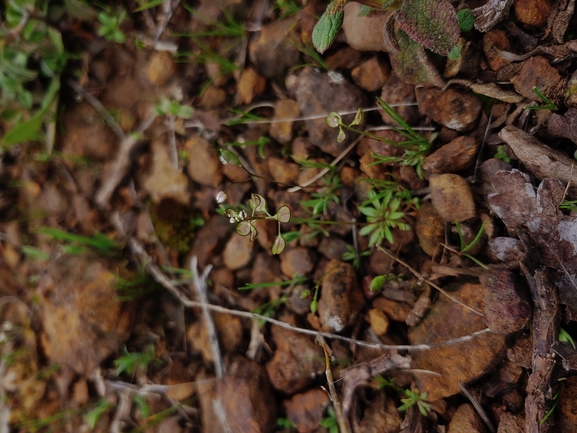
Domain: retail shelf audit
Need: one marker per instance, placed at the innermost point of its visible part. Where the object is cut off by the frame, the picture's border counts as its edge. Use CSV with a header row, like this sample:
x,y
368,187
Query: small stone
x,y
266,269
466,420
537,72
461,362
514,402
396,91
532,12
208,238
380,415
296,261
496,40
341,298
237,252
247,397
344,57
397,311
372,74
455,109
457,155
452,197
317,94
204,166
295,361
212,98
272,52
430,229
333,247
364,33
160,67
380,263
306,410
164,179
507,304
284,109
282,171
379,321
511,423
250,84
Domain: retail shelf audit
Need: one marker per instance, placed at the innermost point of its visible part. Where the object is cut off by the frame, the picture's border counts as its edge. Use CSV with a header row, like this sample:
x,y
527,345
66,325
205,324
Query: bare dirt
x,y
127,295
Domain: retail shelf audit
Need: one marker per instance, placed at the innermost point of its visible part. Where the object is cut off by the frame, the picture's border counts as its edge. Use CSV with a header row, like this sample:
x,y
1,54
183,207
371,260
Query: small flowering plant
x,y
245,222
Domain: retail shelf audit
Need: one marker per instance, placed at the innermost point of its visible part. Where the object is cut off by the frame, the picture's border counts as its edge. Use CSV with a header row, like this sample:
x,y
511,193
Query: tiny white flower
x,y
221,197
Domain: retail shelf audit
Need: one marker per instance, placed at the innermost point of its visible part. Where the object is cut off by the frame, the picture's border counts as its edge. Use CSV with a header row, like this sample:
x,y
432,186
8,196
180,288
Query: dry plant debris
x,y
208,226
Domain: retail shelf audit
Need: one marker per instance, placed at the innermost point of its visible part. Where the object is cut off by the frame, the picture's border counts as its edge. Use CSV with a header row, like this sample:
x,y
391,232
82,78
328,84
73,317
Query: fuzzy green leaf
x,y
327,29
466,20
408,58
432,23
377,283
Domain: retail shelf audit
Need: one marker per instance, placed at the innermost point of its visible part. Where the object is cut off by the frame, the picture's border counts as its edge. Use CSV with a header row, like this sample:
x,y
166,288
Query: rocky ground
x,y
426,280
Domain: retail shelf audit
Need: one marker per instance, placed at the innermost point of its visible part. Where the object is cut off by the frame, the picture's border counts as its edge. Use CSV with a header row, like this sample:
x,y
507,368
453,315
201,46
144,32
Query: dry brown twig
x,y
155,272
422,278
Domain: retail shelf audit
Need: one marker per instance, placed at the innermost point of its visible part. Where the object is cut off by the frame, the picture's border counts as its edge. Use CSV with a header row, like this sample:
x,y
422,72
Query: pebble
x,y
317,94
306,410
247,397
507,303
160,67
284,109
295,361
341,298
457,155
250,84
452,197
511,423
466,420
283,172
430,229
364,33
455,109
372,74
379,321
537,72
272,52
532,12
461,362
204,166
237,252
296,261
332,247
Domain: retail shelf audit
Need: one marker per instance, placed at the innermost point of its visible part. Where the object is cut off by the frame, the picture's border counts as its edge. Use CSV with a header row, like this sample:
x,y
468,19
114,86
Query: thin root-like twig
x,y
421,277
163,280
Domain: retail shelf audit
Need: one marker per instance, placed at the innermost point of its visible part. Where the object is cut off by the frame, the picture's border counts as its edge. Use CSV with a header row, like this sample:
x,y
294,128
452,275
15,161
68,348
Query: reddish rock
x,y
455,109
454,156
306,410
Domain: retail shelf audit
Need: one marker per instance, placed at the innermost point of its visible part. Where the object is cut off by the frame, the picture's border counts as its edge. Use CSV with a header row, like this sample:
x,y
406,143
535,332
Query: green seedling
x,y
351,256
268,309
502,155
261,143
415,398
566,337
110,26
379,281
133,362
92,416
296,281
167,107
330,422
77,243
549,105
464,248
556,399
412,397
244,117
245,222
570,205
321,198
285,423
229,28
383,214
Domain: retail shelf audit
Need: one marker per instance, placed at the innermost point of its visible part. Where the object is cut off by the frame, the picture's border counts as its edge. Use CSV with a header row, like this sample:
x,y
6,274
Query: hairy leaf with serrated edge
x,y
408,58
328,27
432,23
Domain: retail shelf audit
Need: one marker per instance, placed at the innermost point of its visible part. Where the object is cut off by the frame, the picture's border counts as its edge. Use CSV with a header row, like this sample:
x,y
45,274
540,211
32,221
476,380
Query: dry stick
x,y
127,142
122,163
421,277
477,406
163,280
326,169
341,419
